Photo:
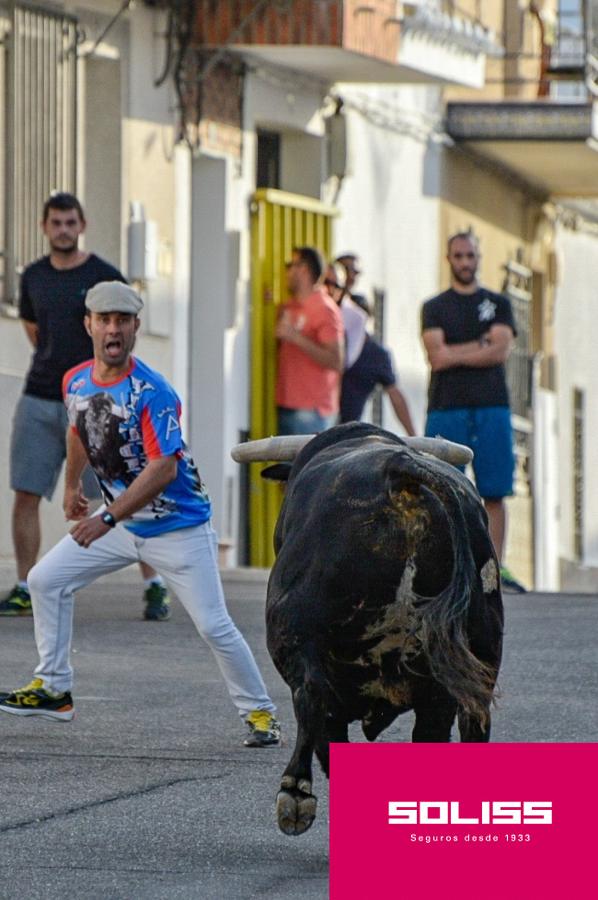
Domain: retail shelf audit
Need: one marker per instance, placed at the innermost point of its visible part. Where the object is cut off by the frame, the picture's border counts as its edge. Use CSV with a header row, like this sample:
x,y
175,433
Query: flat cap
x,y
113,296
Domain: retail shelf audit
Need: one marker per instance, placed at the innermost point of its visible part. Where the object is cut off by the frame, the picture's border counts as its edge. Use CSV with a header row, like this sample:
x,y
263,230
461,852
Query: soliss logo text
x,y
448,812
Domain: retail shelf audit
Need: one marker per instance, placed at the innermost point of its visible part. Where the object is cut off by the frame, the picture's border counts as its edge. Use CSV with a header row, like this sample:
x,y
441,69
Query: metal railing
x,y
40,146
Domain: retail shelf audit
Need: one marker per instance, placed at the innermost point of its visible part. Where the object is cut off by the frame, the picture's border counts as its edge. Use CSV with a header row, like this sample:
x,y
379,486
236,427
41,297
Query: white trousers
x,y
187,560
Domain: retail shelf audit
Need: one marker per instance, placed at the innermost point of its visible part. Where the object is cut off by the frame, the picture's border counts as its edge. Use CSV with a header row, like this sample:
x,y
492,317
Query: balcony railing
x,y
449,20
373,30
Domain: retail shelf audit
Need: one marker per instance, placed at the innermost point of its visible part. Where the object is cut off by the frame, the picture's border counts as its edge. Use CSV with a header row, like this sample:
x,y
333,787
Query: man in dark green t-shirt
x,y
468,332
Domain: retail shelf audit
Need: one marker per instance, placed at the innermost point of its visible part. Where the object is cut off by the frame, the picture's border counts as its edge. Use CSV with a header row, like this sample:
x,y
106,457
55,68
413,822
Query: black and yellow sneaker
x,y
16,603
157,603
264,729
35,700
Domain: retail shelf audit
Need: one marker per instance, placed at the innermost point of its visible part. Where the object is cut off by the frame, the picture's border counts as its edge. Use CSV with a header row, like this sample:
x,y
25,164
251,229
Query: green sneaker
x,y
509,582
35,700
157,603
264,729
16,603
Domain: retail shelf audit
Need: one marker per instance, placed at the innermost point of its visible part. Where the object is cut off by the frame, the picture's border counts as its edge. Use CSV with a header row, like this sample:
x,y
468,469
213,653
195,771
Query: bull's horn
x,y
456,454
283,448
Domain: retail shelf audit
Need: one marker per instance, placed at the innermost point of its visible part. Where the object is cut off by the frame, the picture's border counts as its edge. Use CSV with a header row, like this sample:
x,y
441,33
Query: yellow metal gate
x,y
279,222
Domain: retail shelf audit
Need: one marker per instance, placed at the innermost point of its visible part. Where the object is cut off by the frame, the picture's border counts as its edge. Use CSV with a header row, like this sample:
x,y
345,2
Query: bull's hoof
x,y
295,806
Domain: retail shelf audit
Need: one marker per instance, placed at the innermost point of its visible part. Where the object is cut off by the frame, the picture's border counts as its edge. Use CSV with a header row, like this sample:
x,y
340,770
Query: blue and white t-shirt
x,y
123,425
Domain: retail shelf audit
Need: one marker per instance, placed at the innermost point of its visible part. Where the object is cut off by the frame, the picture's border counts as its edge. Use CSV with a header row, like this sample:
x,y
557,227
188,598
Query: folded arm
x,y
329,355
492,349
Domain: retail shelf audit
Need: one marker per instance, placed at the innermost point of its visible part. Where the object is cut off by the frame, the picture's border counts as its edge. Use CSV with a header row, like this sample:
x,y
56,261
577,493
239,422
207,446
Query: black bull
x,y
384,597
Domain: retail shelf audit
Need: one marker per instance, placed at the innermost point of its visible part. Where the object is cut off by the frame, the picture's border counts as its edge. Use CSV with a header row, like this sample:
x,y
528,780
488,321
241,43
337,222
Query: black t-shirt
x,y
372,367
54,299
466,317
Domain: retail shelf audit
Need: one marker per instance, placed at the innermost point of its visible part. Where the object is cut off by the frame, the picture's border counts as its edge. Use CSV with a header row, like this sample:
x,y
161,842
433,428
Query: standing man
x,y
310,354
373,367
52,308
368,363
350,263
354,317
468,333
125,420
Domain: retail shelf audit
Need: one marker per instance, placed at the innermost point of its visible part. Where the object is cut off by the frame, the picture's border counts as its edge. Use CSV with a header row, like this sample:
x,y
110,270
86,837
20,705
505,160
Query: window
x,y
38,59
578,472
268,159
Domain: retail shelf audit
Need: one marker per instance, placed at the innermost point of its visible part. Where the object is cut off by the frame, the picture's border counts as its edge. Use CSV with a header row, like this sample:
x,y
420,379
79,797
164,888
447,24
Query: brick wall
x,y
369,28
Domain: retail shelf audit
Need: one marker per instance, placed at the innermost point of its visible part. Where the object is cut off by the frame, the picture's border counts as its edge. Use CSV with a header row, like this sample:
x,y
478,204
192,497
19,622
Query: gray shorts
x,y
38,448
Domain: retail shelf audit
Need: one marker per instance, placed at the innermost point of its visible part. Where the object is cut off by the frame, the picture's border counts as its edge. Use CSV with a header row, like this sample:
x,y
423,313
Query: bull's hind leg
x,y
336,732
471,731
295,803
434,716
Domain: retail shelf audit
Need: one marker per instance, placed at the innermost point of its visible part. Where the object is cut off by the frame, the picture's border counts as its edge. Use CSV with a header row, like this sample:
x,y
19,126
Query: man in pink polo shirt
x,y
310,354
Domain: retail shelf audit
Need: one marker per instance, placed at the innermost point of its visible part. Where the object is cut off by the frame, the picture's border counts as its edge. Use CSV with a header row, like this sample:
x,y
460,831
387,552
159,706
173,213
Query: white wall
x,y
575,348
390,221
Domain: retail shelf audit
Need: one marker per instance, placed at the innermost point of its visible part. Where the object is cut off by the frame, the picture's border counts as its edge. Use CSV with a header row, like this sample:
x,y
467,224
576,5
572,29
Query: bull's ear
x,y
277,472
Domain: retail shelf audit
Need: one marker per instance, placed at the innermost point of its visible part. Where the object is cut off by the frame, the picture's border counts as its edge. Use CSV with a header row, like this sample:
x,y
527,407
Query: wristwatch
x,y
108,519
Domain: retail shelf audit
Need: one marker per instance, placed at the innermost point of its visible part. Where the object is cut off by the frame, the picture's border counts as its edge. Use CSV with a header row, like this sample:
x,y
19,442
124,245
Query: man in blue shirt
x,y
125,421
52,310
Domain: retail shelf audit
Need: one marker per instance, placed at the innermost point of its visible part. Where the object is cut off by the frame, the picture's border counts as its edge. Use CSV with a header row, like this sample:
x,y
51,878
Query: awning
x,y
552,146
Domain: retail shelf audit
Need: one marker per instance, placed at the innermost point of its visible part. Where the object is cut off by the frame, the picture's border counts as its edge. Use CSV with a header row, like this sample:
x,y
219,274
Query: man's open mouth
x,y
113,348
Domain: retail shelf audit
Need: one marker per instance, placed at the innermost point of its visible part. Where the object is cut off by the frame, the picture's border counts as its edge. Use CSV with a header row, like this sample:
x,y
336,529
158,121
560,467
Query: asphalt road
x,y
149,792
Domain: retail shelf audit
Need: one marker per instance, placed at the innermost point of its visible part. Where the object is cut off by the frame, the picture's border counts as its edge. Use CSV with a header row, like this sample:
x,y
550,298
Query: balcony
x,y
550,145
377,41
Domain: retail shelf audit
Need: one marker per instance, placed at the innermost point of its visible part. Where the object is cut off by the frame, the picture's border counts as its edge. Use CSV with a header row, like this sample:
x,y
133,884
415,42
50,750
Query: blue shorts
x,y
487,431
302,421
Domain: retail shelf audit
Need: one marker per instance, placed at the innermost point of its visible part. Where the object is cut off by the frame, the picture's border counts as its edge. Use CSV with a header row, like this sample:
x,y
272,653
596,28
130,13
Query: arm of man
x,y
32,331
399,404
329,355
492,349
156,476
75,504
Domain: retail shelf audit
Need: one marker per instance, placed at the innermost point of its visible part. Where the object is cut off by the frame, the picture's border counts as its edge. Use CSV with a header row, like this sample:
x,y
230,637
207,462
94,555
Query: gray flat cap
x,y
113,296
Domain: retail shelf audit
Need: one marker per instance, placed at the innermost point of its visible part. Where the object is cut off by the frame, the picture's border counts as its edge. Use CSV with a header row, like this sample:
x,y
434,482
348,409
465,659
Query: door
x,y
279,222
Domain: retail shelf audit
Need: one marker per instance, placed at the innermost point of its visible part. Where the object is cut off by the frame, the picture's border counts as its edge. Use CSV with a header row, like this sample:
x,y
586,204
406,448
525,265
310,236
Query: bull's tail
x,y
442,629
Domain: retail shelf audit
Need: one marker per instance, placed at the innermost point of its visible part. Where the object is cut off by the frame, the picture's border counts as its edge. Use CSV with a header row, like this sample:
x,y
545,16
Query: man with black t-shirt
x,y
468,332
52,309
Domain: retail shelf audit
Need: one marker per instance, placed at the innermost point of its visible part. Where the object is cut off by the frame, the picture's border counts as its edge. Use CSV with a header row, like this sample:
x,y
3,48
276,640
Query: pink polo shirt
x,y
302,383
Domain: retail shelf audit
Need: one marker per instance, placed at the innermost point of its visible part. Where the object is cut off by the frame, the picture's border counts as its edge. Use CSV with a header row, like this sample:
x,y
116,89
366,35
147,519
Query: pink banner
x,y
463,820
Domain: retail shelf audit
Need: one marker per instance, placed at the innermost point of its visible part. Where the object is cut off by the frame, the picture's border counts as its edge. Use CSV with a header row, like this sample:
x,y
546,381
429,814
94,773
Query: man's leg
x,y
26,531
188,561
497,524
494,464
53,581
155,597
36,453
302,421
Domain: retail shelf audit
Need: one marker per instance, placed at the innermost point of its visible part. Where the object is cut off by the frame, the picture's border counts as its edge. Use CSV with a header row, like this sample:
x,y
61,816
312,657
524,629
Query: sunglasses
x,y
329,283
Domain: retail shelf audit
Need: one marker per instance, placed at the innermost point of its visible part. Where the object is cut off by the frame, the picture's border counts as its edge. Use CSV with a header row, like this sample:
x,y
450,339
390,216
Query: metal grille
x,y
379,298
578,472
40,144
517,287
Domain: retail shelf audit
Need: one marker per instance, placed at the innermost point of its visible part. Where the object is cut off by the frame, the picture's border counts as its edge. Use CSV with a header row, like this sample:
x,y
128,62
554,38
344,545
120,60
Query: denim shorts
x,y
38,448
487,431
302,421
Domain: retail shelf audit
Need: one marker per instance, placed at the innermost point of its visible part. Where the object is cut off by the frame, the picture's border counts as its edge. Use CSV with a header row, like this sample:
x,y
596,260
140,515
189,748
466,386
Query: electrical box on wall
x,y
142,245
